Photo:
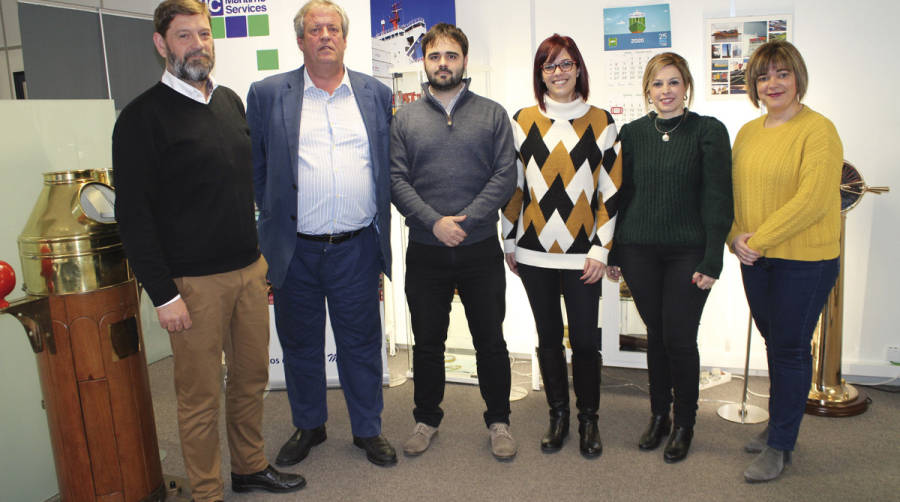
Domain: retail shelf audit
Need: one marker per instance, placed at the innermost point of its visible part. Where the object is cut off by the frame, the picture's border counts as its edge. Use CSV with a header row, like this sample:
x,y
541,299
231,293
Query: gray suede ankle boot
x,y
767,466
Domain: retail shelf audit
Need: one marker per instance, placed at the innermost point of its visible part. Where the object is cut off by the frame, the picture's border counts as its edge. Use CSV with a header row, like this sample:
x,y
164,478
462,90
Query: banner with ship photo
x,y
397,31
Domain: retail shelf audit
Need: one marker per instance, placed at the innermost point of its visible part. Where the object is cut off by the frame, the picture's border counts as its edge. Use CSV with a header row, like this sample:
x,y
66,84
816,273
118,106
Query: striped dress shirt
x,y
336,191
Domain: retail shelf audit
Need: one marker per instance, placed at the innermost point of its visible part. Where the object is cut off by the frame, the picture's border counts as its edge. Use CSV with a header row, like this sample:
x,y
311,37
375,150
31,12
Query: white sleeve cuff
x,y
598,253
173,300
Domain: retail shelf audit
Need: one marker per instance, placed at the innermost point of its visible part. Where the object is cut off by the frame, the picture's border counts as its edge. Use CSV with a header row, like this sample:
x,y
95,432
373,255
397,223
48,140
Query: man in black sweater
x,y
181,161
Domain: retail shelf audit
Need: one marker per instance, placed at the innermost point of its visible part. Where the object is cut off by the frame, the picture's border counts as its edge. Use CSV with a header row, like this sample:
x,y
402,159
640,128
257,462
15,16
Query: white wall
x,y
36,136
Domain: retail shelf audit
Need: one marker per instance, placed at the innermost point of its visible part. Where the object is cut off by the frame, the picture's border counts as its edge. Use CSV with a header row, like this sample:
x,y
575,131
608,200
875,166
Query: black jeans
x,y
670,305
543,286
476,271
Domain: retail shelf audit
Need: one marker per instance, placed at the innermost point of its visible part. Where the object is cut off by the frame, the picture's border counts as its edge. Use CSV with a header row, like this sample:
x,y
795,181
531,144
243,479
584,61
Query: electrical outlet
x,y
713,377
893,354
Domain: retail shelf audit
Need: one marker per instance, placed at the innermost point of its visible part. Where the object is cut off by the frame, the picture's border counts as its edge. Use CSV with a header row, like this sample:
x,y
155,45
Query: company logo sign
x,y
239,18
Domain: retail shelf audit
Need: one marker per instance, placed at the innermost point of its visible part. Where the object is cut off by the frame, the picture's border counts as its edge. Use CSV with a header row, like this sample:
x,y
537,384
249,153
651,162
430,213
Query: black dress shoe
x,y
267,479
556,433
590,445
678,445
299,444
658,429
378,450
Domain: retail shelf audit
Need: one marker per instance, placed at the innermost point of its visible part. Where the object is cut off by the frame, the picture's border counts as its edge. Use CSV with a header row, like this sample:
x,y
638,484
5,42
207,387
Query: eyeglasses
x,y
566,65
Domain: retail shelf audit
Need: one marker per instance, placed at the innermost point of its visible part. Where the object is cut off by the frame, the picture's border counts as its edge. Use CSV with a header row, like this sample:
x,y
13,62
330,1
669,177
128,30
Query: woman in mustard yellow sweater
x,y
786,231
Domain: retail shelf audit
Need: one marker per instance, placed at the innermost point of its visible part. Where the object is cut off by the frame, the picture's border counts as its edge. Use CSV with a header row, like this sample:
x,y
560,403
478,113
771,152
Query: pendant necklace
x,y
665,134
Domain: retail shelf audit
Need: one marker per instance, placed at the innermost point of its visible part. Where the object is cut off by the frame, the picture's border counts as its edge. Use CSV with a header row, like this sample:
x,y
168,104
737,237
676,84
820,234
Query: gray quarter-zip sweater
x,y
447,164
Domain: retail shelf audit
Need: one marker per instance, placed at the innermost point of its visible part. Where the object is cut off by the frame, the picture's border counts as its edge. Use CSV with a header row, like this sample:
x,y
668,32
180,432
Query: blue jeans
x,y
786,298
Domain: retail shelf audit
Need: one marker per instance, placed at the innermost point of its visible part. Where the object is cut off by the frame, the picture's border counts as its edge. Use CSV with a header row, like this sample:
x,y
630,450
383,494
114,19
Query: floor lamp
x,y
742,412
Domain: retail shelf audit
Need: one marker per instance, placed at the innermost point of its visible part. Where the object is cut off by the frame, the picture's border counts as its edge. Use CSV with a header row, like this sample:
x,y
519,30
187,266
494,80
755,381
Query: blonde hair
x,y
660,61
782,54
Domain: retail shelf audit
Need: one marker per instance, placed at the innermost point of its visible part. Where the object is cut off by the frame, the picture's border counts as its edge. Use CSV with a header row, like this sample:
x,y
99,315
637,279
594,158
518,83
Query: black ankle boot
x,y
657,429
678,445
557,432
590,435
556,387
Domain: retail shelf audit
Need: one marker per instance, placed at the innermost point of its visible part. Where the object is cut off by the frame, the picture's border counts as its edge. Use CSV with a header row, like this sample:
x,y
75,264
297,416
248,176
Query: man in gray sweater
x,y
453,165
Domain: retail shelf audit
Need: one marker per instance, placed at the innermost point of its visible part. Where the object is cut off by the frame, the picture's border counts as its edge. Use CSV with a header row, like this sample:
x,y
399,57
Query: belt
x,y
332,238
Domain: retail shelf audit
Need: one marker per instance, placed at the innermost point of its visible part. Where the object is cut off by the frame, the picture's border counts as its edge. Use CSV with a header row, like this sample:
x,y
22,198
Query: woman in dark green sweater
x,y
676,210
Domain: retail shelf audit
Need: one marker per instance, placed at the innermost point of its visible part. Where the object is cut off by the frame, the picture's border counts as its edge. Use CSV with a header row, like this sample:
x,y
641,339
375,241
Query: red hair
x,y
546,53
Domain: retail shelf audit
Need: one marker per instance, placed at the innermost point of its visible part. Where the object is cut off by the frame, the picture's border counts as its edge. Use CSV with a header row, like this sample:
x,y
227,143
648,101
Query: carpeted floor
x,y
841,459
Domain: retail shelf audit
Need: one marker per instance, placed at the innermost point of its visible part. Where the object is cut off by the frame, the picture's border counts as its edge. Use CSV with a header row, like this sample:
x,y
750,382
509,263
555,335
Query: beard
x,y
194,70
445,85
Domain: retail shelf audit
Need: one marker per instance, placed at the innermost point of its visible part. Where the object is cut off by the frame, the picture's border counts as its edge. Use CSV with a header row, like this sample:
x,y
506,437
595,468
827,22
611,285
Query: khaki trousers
x,y
229,312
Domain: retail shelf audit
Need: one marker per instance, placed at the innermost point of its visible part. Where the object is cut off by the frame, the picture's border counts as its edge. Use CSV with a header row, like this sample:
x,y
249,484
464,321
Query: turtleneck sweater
x,y
787,187
564,207
677,192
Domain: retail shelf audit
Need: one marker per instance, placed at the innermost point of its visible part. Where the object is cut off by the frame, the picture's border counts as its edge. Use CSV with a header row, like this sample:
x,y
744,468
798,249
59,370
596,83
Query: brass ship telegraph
x,y
829,394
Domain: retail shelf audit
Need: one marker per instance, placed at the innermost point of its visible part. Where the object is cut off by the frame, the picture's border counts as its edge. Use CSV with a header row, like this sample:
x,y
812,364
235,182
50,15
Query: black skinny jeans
x,y
476,271
543,286
670,305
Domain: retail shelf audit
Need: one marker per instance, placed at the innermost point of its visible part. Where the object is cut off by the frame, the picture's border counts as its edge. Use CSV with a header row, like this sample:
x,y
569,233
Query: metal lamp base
x,y
746,414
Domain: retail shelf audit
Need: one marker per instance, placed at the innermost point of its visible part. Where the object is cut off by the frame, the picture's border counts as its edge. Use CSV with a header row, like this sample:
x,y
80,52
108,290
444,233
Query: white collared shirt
x,y
187,89
336,186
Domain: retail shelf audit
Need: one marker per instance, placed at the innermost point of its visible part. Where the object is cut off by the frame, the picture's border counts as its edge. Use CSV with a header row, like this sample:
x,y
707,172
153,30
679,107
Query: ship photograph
x,y
397,31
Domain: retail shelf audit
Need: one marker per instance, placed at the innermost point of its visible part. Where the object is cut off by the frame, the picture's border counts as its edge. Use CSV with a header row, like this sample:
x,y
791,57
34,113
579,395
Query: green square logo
x,y
613,42
267,59
218,27
258,25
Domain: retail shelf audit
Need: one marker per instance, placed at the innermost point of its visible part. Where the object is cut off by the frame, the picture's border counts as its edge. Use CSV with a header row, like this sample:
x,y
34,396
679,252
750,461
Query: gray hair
x,y
301,15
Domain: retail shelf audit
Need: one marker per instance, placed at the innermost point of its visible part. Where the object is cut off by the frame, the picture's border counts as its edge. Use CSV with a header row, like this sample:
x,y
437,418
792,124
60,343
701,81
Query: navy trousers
x,y
345,275
785,298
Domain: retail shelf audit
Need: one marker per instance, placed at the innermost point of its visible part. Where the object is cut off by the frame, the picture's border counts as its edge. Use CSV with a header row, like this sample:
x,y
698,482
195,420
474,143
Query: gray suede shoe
x,y
758,443
767,466
420,439
503,446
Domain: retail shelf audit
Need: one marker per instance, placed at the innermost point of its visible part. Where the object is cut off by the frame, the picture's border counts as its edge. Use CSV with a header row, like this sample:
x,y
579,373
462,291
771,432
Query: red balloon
x,y
7,282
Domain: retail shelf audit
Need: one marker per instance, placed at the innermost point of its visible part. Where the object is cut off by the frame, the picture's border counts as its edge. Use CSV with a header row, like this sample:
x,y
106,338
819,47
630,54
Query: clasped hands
x,y
448,231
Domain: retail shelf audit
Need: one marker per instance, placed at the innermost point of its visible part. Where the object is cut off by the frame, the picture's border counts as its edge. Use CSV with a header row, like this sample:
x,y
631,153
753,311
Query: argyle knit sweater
x,y
787,187
676,192
569,171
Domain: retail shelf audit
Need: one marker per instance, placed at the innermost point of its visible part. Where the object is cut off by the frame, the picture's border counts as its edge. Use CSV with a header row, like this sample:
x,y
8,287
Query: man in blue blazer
x,y
321,174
